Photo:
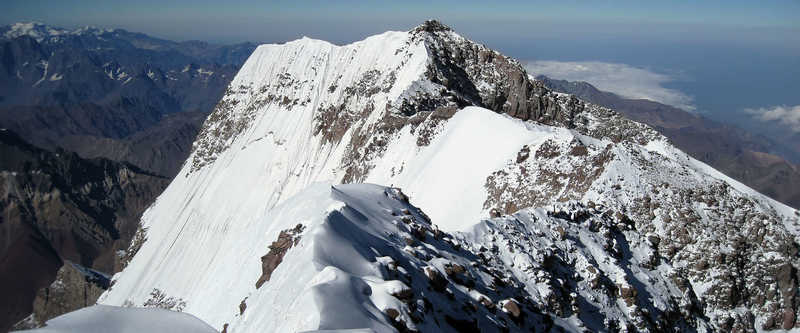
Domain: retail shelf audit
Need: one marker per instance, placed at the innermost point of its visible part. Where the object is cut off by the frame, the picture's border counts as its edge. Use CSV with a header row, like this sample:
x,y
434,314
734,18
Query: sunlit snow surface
x,y
330,280
447,179
207,232
104,319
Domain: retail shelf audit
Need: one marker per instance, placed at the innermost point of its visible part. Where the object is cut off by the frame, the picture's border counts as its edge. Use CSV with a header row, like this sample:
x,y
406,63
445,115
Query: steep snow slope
x,y
469,135
449,175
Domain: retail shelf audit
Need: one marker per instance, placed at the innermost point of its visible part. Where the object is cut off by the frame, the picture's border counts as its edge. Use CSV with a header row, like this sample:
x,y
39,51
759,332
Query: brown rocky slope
x,y
55,207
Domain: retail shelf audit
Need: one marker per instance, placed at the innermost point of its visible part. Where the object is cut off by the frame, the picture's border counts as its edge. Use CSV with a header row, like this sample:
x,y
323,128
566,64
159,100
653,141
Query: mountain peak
x,y
391,77
431,26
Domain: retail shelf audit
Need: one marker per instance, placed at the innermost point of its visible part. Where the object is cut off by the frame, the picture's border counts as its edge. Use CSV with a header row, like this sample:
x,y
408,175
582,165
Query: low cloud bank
x,y
621,79
788,116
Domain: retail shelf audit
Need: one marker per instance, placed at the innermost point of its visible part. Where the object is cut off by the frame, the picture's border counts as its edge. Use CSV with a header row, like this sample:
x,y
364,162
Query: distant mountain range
x,y
102,92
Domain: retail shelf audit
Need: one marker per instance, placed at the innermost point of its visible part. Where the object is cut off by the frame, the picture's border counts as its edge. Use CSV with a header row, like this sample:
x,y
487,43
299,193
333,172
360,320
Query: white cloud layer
x,y
624,80
788,116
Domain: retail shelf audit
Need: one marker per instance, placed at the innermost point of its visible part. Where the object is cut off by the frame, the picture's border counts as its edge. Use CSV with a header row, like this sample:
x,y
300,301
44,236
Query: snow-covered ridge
x,y
468,136
311,77
367,259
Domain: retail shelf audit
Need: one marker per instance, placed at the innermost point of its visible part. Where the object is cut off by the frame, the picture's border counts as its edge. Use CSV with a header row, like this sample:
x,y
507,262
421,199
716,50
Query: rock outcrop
x,y
286,239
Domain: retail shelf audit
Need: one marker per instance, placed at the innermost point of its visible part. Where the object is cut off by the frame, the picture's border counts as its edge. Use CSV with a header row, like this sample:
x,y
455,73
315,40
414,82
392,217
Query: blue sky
x,y
719,58
348,20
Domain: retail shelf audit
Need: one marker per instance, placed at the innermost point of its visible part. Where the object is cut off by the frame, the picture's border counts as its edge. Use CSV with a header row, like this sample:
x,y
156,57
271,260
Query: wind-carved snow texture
x,y
668,241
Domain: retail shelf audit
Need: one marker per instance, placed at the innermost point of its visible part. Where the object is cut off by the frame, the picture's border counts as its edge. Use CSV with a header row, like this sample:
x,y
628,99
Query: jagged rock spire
x,y
431,26
476,75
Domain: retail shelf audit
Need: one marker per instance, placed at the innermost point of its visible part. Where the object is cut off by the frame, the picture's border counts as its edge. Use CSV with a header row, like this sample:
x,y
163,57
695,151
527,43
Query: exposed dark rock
x,y
392,313
512,307
436,280
523,154
628,294
404,295
159,299
400,325
459,65
454,269
269,262
788,319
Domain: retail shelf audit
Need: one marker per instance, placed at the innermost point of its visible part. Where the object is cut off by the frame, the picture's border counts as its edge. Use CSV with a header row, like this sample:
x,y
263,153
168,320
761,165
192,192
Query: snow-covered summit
x,y
466,133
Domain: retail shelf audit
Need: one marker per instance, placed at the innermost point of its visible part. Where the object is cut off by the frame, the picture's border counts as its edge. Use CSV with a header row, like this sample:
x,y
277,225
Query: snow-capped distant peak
x,y
35,30
40,31
90,29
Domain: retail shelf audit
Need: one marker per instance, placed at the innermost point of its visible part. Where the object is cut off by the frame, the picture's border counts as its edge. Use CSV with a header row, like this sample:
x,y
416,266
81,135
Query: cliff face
x,y
476,75
57,206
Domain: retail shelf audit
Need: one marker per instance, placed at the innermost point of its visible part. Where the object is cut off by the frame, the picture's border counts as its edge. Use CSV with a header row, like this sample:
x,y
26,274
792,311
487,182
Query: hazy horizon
x,y
343,21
